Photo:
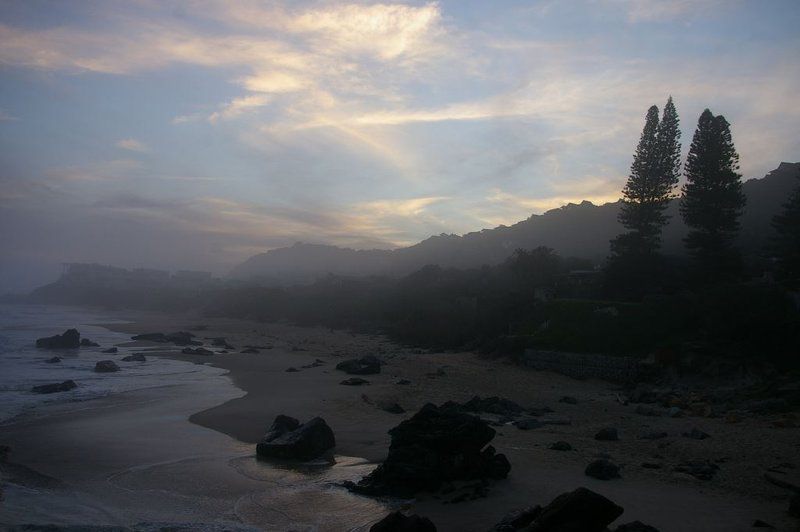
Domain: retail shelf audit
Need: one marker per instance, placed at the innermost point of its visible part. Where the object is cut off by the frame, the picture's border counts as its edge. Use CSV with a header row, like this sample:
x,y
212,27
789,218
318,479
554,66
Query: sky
x,y
194,134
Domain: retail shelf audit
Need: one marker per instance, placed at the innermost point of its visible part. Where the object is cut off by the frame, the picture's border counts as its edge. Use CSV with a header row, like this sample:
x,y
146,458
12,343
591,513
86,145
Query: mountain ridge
x,y
574,230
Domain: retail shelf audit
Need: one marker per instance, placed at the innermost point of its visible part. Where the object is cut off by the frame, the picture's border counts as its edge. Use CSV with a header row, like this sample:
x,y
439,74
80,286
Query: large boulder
x,y
397,522
287,439
434,446
581,510
55,387
368,365
71,339
106,366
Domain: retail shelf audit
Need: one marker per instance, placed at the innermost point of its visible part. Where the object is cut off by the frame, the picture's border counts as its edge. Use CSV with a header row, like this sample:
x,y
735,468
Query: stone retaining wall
x,y
583,365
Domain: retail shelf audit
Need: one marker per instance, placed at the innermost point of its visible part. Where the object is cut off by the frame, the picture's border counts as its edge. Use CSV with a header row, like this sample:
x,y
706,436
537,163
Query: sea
x,y
23,365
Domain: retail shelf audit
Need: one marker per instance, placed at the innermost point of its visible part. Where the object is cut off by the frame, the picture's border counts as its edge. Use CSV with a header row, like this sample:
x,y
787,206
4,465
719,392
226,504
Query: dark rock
x,y
288,440
393,408
568,400
354,381
71,339
221,341
54,360
368,365
177,338
436,445
397,522
560,446
292,370
317,363
602,469
110,350
55,387
653,435
250,350
136,357
581,510
493,405
652,465
198,351
403,382
5,450
85,342
635,526
794,505
699,470
607,434
528,424
696,434
518,519
758,523
106,366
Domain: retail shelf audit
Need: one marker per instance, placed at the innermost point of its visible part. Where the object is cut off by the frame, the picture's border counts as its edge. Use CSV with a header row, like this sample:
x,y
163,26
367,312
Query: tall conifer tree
x,y
712,198
787,240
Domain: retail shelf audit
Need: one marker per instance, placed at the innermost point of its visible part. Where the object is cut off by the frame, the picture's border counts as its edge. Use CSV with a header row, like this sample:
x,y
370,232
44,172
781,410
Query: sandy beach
x,y
134,457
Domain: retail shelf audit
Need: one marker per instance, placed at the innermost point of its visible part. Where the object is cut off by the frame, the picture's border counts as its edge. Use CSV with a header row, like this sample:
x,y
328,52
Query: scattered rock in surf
x,y
55,387
221,341
110,351
579,510
560,446
354,381
250,351
287,439
106,366
393,408
54,360
136,357
696,434
85,342
177,338
607,434
197,351
699,470
635,526
368,365
602,469
657,435
71,339
292,370
317,363
397,522
403,382
568,400
436,445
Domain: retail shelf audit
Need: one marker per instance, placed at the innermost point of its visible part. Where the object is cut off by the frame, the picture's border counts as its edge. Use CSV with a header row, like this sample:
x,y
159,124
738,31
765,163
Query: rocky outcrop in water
x,y
106,366
136,357
85,342
71,339
436,445
287,439
177,338
55,387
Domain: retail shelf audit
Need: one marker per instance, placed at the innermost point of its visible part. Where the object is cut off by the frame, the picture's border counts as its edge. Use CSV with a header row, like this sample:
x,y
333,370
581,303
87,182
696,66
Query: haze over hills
x,y
574,230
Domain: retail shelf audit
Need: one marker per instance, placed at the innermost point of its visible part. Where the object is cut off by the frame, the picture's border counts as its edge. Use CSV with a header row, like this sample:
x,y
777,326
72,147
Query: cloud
x,y
236,107
131,144
5,117
665,10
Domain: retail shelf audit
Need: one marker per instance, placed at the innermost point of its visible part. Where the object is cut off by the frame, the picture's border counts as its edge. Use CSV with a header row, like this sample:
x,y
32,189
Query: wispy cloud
x,y
131,144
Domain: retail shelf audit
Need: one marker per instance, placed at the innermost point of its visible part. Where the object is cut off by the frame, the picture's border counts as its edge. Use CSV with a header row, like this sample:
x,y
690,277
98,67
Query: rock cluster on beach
x,y
436,445
368,365
287,439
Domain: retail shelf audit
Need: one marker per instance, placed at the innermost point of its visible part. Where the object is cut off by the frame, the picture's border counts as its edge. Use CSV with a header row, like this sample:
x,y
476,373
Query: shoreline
x,y
669,501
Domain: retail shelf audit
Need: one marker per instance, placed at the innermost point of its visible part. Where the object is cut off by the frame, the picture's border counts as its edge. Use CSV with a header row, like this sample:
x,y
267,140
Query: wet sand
x,y
159,433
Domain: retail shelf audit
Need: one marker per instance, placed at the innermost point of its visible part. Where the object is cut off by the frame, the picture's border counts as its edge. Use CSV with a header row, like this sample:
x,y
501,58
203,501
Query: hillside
x,y
583,230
